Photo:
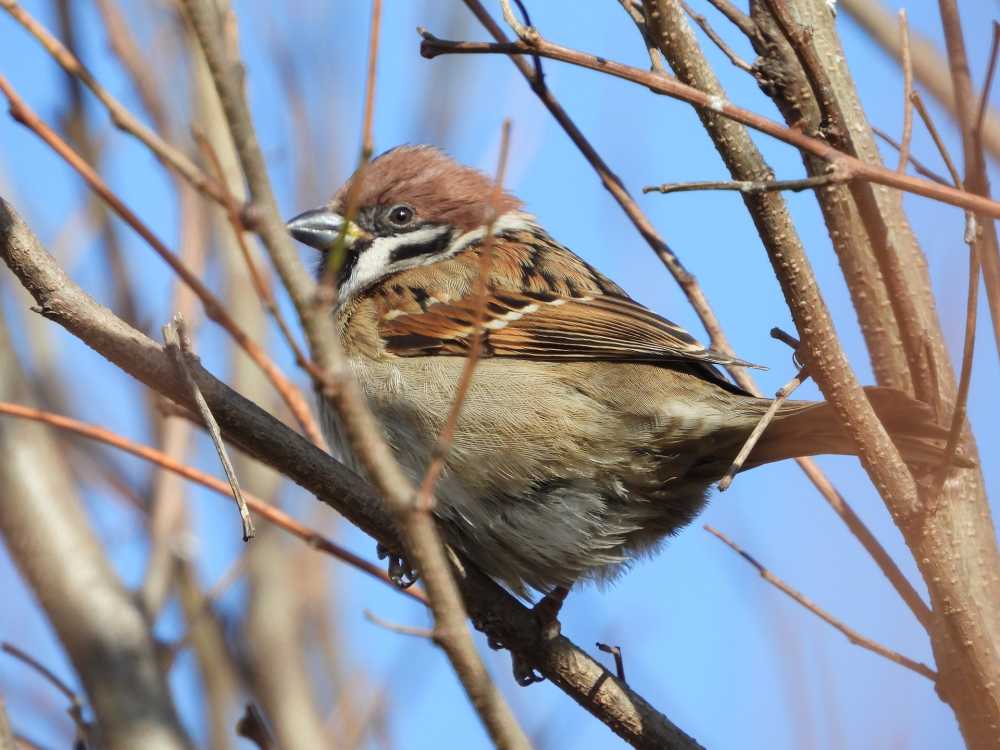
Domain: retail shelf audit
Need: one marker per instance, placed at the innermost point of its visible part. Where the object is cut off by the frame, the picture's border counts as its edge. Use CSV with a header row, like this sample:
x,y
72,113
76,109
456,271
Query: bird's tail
x,y
811,428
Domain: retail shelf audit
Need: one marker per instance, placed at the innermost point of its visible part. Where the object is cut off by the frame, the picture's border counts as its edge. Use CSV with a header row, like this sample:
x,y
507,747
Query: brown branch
x,y
214,309
918,103
394,627
263,289
750,186
425,493
135,62
341,390
227,75
930,67
617,653
736,17
98,622
779,398
635,12
781,239
717,40
973,237
261,435
262,508
991,69
169,156
179,346
976,178
852,635
907,63
852,166
917,165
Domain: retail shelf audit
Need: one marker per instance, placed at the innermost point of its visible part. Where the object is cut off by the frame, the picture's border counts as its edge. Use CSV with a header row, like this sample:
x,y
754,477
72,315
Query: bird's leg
x,y
547,611
399,568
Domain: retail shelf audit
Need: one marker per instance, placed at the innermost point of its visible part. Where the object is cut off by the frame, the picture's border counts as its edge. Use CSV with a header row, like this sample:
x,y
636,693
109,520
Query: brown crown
x,y
435,185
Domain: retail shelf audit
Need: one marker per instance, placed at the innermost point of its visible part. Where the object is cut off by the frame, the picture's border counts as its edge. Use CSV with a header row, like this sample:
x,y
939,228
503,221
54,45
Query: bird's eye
x,y
400,216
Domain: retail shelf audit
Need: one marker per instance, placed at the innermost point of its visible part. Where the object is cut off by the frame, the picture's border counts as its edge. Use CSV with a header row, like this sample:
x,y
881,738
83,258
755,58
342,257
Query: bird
x,y
592,429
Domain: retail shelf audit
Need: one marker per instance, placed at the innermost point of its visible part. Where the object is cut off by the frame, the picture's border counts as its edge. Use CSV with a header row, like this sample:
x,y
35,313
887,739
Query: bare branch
x,y
214,309
265,510
179,346
929,65
432,47
751,186
907,63
779,398
169,156
852,635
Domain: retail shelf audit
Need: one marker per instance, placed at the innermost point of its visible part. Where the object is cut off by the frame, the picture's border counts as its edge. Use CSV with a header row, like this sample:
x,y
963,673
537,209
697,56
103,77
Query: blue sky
x,y
725,656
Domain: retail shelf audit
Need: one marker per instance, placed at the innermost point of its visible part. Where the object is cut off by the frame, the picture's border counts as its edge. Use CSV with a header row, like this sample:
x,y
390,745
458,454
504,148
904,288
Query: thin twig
x,y
976,180
397,628
638,16
991,69
917,165
852,166
192,620
779,398
425,494
918,102
717,40
75,709
904,40
738,18
615,651
367,142
124,45
260,284
179,345
852,635
214,308
523,32
973,239
930,68
262,508
749,186
169,156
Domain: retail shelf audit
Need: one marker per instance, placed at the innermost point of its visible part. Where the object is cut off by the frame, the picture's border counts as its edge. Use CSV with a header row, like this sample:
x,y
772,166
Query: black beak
x,y
318,228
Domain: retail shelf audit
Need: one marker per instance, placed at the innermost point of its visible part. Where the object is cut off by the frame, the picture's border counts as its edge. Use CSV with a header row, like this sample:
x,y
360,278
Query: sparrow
x,y
593,428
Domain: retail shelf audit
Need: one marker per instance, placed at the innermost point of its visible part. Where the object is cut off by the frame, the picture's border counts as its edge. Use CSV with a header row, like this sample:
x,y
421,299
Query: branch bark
x,y
101,627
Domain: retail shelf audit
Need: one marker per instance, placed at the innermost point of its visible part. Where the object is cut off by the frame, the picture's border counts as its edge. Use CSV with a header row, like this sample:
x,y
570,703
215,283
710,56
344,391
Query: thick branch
x,y
104,632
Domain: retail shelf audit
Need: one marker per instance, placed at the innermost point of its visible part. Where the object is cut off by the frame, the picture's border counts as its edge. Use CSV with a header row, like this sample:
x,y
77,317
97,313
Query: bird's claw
x,y
400,571
524,673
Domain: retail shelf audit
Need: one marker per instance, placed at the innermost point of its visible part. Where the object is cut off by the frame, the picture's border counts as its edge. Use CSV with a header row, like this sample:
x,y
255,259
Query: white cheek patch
x,y
376,261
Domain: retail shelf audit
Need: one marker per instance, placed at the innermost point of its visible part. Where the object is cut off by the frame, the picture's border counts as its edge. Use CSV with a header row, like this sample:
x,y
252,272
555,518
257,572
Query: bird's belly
x,y
544,484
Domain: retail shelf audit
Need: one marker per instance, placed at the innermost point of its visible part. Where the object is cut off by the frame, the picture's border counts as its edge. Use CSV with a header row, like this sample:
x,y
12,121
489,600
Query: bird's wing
x,y
546,326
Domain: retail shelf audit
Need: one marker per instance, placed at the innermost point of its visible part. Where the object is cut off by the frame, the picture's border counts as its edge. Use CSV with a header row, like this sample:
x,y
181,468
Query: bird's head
x,y
415,206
